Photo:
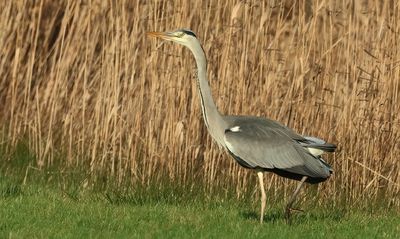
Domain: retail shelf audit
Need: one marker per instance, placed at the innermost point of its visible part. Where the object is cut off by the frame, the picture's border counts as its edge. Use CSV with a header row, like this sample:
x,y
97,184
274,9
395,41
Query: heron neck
x,y
211,115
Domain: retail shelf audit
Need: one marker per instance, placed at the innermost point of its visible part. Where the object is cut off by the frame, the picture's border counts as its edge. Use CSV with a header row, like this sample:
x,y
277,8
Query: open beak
x,y
162,35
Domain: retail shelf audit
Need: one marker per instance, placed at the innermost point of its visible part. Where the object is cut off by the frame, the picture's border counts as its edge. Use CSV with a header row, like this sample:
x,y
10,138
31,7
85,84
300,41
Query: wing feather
x,y
261,145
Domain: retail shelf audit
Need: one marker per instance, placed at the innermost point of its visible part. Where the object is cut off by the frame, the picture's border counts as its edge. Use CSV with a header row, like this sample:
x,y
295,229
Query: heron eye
x,y
181,34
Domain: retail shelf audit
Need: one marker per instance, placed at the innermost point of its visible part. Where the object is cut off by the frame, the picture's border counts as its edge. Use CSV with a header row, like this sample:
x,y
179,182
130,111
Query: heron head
x,y
181,36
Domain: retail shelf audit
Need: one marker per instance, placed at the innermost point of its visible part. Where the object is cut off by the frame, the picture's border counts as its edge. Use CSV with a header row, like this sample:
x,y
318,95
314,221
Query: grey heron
x,y
261,144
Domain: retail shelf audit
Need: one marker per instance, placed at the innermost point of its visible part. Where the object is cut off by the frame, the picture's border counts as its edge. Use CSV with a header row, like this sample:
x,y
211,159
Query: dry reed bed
x,y
80,79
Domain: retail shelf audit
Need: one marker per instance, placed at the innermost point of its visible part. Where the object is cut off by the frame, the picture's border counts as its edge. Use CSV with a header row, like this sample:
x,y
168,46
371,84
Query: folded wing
x,y
259,145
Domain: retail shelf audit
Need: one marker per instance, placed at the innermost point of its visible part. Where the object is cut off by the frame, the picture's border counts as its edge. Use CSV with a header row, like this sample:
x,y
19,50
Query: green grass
x,y
55,204
40,211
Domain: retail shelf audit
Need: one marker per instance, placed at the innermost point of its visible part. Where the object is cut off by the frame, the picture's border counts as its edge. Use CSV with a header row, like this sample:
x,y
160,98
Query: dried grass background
x,y
85,87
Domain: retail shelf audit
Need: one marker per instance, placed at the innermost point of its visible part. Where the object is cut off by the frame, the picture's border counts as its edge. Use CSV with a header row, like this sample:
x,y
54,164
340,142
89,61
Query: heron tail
x,y
316,143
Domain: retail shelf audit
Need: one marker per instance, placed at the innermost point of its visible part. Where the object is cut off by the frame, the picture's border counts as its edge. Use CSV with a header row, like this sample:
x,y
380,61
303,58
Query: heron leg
x,y
263,195
289,208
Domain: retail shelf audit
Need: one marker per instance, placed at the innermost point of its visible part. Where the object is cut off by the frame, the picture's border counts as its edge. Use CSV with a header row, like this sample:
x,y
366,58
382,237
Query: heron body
x,y
266,145
256,143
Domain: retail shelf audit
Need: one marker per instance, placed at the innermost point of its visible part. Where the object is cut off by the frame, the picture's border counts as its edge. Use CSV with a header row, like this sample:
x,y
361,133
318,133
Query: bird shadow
x,y
253,216
297,218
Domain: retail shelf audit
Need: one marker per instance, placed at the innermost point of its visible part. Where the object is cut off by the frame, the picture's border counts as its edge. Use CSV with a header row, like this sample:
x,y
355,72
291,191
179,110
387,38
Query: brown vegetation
x,y
81,79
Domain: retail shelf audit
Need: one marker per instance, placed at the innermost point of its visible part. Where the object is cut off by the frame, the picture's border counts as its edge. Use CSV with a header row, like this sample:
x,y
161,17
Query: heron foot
x,y
288,212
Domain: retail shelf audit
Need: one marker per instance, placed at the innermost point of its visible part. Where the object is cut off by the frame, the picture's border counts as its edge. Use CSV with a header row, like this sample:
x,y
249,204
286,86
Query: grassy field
x,y
39,211
57,204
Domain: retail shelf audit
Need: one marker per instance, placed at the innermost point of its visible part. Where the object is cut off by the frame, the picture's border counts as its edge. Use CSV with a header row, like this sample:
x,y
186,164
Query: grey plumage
x,y
256,143
264,144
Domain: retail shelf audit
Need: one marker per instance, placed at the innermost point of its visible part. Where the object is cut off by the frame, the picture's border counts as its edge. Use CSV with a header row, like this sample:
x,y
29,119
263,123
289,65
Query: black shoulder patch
x,y
188,32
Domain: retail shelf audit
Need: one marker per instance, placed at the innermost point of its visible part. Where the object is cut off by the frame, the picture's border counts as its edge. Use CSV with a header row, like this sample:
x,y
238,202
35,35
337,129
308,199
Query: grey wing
x,y
261,146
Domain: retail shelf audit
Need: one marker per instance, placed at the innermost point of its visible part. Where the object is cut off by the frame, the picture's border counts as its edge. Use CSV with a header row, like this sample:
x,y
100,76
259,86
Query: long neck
x,y
212,117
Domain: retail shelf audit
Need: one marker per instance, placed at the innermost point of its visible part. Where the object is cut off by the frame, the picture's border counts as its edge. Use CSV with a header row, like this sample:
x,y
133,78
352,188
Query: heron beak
x,y
162,35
